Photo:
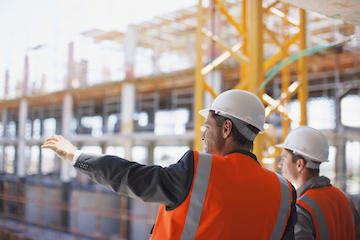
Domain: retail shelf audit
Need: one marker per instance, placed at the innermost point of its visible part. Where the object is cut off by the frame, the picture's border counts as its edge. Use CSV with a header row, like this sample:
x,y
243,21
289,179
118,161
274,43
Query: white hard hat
x,y
308,142
241,105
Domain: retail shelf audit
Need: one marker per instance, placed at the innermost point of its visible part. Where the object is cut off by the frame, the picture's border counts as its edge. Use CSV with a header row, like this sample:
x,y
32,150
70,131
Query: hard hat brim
x,y
301,153
204,112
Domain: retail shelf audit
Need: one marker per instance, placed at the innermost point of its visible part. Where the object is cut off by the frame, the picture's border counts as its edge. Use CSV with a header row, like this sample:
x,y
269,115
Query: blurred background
x,y
129,78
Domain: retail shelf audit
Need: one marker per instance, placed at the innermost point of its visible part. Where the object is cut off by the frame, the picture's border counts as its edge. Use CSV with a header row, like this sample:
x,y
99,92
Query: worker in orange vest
x,y
324,211
223,193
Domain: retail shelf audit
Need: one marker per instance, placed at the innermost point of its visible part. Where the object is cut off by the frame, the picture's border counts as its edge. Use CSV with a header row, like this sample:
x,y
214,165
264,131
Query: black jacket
x,y
167,185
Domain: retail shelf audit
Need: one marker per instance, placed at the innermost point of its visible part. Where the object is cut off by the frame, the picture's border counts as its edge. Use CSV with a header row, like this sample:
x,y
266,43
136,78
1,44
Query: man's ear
x,y
300,164
227,127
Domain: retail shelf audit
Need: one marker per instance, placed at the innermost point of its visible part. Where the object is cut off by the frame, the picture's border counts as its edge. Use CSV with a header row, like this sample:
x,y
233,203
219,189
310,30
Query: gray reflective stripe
x,y
318,215
351,207
201,181
285,204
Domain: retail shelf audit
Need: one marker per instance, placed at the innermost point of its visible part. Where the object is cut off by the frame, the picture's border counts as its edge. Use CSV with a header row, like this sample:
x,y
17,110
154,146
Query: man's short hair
x,y
237,136
313,172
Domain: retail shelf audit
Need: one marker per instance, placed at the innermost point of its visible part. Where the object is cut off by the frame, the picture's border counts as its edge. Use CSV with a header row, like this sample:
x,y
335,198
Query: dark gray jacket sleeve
x,y
168,185
289,230
304,228
357,223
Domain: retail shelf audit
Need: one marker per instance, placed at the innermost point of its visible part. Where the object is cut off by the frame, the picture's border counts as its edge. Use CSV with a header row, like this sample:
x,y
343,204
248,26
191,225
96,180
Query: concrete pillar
x,y
127,112
6,87
70,75
150,152
83,73
65,167
340,140
67,115
40,161
4,121
130,51
20,160
43,83
155,62
26,77
105,119
2,150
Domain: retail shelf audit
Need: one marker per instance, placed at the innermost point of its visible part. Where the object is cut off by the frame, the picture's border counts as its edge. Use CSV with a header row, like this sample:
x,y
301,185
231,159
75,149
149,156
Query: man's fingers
x,y
51,142
52,147
54,138
60,137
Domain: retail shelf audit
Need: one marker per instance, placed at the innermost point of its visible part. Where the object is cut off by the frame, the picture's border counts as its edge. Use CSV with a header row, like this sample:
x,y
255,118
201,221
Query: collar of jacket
x,y
250,154
314,182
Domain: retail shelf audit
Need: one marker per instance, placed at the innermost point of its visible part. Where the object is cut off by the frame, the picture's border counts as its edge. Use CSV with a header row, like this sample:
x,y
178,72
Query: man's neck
x,y
234,147
302,179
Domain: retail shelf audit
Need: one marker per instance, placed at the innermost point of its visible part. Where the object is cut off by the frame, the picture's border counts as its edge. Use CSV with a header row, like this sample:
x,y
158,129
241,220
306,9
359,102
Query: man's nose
x,y
280,163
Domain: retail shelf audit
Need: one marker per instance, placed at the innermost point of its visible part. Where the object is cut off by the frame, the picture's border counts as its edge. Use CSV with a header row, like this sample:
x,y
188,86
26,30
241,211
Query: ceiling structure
x,y
346,10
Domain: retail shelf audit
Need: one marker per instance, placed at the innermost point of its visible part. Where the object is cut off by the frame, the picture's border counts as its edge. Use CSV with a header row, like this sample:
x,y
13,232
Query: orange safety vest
x,y
332,212
231,197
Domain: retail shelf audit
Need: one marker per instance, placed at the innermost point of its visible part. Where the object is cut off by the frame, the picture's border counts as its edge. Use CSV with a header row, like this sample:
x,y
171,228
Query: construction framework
x,y
249,53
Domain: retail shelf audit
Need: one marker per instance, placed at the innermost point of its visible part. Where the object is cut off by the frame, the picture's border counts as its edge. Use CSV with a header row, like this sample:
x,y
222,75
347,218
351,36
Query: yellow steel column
x,y
255,51
199,88
302,69
243,65
285,73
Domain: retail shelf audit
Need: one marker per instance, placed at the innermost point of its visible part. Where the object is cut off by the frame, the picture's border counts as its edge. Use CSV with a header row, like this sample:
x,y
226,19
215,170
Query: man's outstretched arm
x,y
169,185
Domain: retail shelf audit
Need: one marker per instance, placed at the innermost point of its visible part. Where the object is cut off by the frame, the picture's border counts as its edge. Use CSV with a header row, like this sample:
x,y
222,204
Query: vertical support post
x,y
65,166
43,83
214,77
150,152
67,115
285,74
340,139
70,75
244,48
20,156
127,112
255,50
6,87
127,127
302,70
24,88
128,98
105,119
199,88
83,73
4,123
130,51
20,160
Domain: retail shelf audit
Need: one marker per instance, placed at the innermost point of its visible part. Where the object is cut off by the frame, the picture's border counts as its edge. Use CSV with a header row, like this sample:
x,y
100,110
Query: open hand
x,y
62,147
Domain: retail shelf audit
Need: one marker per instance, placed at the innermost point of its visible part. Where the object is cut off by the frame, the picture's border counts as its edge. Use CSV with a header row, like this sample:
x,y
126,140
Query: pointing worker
x,y
221,194
324,211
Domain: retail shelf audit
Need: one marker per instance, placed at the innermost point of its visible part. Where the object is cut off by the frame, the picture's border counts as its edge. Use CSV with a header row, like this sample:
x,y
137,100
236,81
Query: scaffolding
x,y
226,44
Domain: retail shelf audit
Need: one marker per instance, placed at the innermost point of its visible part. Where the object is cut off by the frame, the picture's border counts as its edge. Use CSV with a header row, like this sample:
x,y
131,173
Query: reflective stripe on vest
x,y
323,232
198,195
351,207
285,203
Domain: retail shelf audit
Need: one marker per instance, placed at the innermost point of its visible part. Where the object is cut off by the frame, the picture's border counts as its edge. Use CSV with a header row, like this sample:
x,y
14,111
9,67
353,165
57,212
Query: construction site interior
x,y
137,93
